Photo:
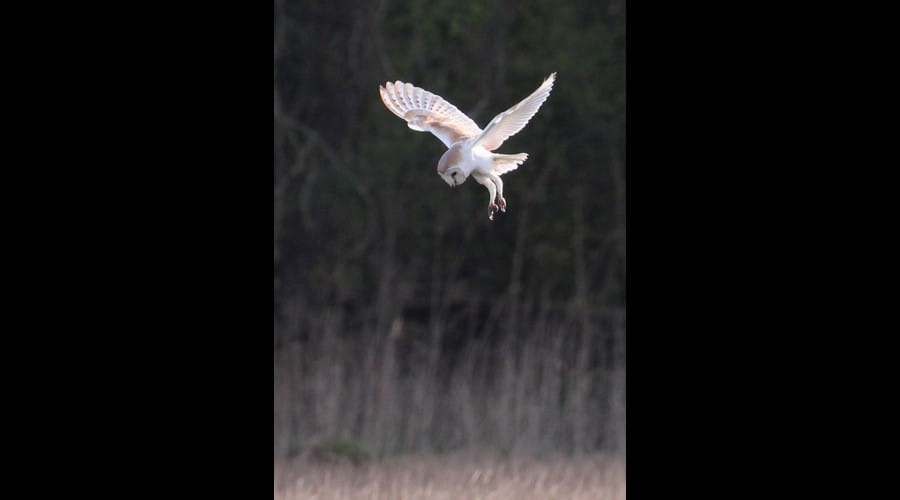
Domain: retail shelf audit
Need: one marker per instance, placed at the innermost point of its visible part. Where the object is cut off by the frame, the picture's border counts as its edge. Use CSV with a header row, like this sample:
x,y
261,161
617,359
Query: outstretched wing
x,y
511,121
424,111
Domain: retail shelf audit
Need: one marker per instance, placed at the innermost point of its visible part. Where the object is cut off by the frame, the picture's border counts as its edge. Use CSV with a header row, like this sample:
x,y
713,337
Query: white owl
x,y
469,147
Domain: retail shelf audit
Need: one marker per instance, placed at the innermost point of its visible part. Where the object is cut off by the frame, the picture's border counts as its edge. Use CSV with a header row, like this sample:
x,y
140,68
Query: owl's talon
x,y
492,209
501,202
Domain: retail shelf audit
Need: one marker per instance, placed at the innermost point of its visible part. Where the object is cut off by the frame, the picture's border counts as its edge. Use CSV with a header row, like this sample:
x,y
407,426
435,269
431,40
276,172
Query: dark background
x,y
404,318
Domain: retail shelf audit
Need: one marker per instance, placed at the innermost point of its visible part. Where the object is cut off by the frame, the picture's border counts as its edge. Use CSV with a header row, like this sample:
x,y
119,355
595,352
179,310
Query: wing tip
x,y
551,79
387,99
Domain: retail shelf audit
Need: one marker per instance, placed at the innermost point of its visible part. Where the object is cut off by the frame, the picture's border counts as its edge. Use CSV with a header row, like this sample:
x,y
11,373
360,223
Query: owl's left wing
x,y
514,119
424,111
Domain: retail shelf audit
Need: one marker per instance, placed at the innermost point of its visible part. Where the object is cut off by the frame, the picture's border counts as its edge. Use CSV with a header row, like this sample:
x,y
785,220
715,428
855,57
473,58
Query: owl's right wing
x,y
424,111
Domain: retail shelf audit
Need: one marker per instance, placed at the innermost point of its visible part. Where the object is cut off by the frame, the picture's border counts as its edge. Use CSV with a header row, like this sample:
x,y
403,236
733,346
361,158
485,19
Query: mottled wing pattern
x,y
424,111
511,121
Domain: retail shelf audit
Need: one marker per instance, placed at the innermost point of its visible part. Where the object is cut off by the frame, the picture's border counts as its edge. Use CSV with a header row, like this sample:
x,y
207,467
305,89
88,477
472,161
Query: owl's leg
x,y
501,201
492,207
486,181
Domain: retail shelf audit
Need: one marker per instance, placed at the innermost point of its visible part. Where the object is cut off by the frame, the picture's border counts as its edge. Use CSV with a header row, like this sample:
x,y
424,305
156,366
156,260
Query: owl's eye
x,y
453,175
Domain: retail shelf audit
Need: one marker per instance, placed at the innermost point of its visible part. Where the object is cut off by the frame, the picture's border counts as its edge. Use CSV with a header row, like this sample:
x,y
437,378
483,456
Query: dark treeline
x,y
404,318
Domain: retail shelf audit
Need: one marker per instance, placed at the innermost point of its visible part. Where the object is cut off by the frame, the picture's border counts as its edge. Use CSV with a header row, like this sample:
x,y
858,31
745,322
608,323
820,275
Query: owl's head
x,y
449,166
454,176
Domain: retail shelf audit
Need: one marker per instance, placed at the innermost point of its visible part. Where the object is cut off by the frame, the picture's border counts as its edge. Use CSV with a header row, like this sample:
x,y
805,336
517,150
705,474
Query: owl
x,y
470,150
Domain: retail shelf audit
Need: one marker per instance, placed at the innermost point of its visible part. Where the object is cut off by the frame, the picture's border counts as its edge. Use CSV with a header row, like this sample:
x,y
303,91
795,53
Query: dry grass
x,y
454,477
541,378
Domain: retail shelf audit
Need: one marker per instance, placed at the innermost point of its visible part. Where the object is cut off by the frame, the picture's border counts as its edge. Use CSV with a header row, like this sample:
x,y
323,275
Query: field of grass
x,y
453,477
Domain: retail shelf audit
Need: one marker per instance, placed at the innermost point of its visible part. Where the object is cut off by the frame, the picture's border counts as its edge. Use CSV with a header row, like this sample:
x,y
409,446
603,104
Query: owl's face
x,y
454,176
449,166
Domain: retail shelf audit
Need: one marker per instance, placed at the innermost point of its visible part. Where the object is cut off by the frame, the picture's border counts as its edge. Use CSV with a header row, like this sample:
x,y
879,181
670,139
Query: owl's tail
x,y
508,163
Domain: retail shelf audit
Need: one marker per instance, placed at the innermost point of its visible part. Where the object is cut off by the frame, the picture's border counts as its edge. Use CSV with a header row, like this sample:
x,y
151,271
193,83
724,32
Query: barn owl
x,y
469,148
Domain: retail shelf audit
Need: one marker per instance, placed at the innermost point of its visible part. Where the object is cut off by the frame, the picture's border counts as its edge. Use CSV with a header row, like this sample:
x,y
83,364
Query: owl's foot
x,y
492,209
501,202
